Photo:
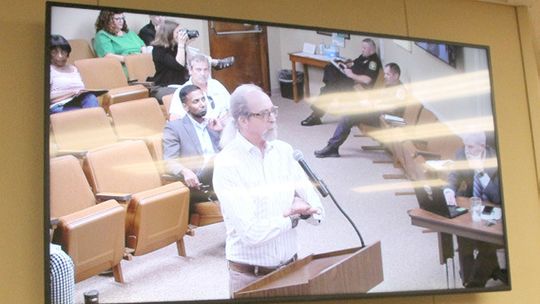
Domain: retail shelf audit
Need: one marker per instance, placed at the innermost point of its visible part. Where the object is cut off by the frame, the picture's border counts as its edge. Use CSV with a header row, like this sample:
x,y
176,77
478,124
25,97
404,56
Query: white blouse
x,y
68,80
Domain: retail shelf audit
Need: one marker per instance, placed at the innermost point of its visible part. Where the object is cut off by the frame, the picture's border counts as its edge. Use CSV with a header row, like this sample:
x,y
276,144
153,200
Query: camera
x,y
192,34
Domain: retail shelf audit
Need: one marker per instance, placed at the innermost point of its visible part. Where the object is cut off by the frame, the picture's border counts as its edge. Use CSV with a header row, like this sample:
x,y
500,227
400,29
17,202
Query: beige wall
x,y
21,179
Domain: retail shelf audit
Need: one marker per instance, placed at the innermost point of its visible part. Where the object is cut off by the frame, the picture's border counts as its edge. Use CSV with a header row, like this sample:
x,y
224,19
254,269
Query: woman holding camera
x,y
170,58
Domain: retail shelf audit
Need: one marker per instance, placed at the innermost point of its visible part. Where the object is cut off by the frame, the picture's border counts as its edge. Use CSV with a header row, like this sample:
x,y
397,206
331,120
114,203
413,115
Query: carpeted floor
x,y
410,256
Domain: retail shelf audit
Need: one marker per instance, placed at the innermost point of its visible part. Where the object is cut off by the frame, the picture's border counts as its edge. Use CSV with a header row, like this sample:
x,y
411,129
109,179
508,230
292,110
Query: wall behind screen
x,y
21,123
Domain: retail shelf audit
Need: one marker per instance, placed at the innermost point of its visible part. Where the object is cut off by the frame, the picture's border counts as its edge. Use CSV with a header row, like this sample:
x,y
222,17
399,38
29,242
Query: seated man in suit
x,y
217,96
390,101
190,144
363,71
478,260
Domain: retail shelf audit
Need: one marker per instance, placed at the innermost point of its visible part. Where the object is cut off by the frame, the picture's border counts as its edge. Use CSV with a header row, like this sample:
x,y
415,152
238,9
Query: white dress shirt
x,y
201,128
216,91
254,191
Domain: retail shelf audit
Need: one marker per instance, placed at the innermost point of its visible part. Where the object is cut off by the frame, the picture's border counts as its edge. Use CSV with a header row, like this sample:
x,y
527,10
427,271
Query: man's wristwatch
x,y
294,221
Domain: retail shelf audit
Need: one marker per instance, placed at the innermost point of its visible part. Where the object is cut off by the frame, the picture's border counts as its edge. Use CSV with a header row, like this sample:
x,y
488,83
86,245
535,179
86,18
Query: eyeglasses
x,y
265,114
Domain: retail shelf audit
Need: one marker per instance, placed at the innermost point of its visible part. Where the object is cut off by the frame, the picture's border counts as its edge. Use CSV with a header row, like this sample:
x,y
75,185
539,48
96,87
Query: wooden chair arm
x,y
119,197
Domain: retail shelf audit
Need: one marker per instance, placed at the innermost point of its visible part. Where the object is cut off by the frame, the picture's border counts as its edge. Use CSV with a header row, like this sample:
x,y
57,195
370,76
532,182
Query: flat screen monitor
x,y
369,117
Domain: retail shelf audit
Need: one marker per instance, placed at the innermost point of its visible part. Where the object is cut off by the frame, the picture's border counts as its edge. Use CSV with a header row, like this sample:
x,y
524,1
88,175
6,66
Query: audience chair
x,y
91,234
107,73
80,49
140,68
204,213
139,119
76,132
167,99
157,215
432,140
411,114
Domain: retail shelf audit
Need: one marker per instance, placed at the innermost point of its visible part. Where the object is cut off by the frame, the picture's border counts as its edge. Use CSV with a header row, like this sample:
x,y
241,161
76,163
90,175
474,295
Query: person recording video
x,y
262,190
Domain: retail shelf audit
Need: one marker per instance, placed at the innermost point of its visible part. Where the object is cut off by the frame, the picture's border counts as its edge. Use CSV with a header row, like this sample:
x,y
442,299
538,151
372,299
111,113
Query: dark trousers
x,y
335,81
477,261
205,193
346,123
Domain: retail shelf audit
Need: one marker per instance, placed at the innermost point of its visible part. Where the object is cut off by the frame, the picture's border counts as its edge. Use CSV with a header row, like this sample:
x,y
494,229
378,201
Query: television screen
x,y
388,184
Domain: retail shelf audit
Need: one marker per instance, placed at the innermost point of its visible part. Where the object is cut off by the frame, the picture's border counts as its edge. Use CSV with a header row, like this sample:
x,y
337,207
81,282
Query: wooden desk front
x,y
306,60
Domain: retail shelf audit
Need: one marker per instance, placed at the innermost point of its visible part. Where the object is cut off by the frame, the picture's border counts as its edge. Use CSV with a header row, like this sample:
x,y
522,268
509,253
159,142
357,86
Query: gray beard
x,y
271,134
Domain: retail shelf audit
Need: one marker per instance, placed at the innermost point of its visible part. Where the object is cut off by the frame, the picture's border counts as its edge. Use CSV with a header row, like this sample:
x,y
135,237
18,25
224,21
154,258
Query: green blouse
x,y
105,43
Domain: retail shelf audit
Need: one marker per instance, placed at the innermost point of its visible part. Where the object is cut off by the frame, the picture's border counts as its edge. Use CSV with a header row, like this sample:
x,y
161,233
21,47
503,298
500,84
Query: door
x,y
248,44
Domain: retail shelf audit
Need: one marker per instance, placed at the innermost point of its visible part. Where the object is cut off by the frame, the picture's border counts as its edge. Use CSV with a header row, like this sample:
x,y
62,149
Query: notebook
x,y
432,199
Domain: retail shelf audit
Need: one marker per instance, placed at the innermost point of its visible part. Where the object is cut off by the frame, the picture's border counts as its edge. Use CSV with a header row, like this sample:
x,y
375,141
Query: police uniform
x,y
336,81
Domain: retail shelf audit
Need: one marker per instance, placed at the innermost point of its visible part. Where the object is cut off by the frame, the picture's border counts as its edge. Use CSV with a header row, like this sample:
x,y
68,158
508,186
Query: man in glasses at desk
x,y
478,260
217,96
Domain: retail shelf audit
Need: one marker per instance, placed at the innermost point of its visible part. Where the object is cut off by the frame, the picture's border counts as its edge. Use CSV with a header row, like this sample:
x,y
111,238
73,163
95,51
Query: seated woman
x,y
170,58
65,80
113,38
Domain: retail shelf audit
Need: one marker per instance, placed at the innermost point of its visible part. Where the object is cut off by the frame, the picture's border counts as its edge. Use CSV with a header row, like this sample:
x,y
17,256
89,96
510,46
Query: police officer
x,y
363,71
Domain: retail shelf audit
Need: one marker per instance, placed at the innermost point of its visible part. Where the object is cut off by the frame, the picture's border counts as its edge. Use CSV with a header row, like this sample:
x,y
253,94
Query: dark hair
x,y
184,92
58,41
394,67
103,21
371,42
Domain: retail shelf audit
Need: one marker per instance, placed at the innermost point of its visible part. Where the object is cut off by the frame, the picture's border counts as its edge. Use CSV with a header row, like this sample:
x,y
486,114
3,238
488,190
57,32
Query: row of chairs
x,y
139,66
80,131
120,154
420,136
108,73
114,206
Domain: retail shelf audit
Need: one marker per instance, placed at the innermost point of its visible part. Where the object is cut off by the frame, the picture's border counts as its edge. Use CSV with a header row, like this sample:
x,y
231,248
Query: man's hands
x,y
301,208
348,72
215,124
191,179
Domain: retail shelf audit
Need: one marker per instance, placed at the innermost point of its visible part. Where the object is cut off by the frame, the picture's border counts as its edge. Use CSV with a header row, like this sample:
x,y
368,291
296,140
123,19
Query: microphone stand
x,y
344,214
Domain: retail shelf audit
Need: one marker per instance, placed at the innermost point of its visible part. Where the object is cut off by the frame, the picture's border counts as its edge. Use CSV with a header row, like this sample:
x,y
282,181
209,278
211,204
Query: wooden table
x,y
462,225
306,60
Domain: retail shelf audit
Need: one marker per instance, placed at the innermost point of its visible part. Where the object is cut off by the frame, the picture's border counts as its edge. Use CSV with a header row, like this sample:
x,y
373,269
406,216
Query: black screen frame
x,y
46,190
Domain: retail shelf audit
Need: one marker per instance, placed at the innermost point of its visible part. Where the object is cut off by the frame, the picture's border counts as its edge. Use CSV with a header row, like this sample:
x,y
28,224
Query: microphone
x,y
321,186
318,183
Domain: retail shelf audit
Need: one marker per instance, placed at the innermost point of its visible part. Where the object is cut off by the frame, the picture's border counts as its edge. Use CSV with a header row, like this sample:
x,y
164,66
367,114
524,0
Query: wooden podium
x,y
352,270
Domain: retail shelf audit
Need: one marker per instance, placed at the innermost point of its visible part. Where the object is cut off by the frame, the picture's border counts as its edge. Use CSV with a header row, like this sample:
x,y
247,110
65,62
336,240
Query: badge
x,y
372,65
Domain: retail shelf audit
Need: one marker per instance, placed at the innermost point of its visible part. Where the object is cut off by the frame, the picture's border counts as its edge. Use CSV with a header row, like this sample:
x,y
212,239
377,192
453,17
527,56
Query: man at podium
x,y
262,190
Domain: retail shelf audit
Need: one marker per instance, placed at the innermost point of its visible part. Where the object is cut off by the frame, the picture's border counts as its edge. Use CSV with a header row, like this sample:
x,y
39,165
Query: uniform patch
x,y
372,65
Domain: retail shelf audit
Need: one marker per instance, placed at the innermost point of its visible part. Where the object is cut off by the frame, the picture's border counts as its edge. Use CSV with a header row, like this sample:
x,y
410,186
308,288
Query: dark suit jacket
x,y
462,181
180,142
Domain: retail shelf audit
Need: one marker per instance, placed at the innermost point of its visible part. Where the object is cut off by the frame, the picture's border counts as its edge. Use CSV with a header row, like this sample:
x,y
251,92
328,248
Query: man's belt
x,y
258,270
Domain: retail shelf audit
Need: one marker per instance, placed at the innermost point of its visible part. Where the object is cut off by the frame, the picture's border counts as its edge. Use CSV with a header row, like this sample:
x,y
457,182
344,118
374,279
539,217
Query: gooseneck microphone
x,y
317,182
321,186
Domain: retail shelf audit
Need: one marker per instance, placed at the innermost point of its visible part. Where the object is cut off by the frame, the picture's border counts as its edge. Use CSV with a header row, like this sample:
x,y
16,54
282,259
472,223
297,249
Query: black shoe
x,y
311,120
224,63
327,151
500,275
